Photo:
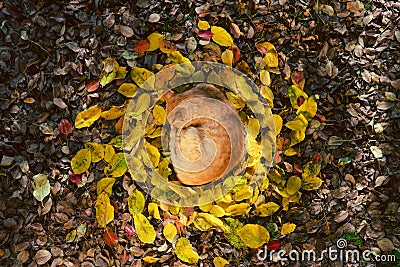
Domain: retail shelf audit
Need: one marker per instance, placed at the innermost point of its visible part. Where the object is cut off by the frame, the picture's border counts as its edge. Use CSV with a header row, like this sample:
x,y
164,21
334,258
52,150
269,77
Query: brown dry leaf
x,y
42,256
126,31
154,17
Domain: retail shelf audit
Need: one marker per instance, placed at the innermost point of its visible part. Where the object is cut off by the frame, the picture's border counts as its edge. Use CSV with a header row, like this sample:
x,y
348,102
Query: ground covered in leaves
x,y
343,53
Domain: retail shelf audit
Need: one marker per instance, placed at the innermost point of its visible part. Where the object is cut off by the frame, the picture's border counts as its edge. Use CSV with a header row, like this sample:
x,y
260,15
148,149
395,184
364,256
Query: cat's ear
x,y
168,96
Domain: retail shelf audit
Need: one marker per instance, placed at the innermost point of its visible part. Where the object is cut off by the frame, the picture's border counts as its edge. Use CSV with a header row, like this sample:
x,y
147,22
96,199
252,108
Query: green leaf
x,y
41,186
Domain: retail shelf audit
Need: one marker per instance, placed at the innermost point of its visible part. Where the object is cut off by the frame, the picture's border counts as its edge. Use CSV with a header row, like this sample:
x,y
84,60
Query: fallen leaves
x,y
87,117
41,186
104,210
184,251
144,229
221,36
253,235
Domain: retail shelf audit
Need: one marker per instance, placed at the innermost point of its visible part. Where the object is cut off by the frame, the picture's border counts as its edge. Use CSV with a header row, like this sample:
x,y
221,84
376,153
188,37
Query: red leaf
x,y
236,53
261,49
75,178
297,77
205,35
65,127
112,202
273,245
129,230
111,238
141,46
189,211
317,158
321,117
297,169
300,100
123,257
92,86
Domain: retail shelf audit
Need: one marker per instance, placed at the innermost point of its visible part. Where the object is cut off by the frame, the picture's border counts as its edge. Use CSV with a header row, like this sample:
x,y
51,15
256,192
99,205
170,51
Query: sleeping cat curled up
x,y
206,139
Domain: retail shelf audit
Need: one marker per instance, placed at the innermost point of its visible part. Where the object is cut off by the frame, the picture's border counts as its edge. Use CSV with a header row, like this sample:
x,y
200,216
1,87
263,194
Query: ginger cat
x,y
201,149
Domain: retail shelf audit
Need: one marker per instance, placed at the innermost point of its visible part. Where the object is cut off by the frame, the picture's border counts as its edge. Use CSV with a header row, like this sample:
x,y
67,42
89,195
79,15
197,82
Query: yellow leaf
x,y
117,166
238,209
136,202
287,228
206,207
114,112
104,210
267,93
109,152
290,152
152,208
170,232
311,183
268,46
153,153
149,259
308,108
245,193
271,59
236,100
276,174
299,123
144,229
294,93
154,40
225,201
293,185
142,103
177,58
140,75
87,117
211,219
159,115
253,235
167,47
41,186
81,161
311,169
220,262
121,73
265,78
278,123
252,127
266,209
203,25
184,251
296,137
202,224
110,69
227,57
217,211
96,151
105,185
221,36
281,192
128,89
163,168
231,232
